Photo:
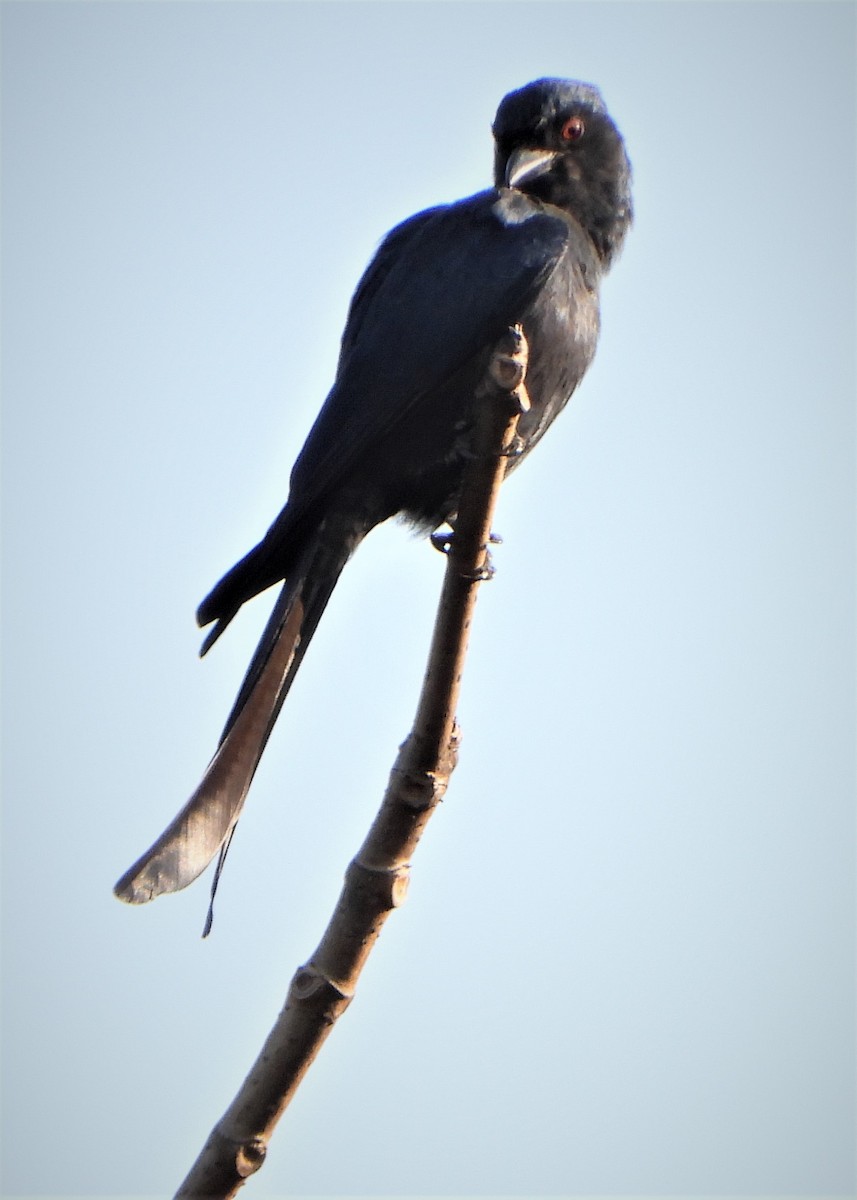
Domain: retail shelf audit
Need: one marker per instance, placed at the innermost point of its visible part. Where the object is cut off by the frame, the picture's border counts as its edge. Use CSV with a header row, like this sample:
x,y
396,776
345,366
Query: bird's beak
x,y
527,164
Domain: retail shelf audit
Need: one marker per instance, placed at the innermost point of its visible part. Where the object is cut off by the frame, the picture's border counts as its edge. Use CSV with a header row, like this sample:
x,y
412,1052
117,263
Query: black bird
x,y
394,434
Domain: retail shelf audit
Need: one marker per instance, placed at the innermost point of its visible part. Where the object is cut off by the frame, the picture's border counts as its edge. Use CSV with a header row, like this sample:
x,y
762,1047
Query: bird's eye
x,y
572,130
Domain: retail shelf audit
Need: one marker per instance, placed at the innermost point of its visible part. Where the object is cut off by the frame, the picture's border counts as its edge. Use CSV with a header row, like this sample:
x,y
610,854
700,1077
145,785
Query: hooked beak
x,y
526,164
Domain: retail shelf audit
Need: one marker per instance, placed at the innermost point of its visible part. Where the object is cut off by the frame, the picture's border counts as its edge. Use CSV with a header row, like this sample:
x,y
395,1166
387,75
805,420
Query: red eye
x,y
572,130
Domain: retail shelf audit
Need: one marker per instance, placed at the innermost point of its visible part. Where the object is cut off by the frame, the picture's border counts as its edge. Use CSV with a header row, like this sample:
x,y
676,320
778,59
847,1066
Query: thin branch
x,y
377,878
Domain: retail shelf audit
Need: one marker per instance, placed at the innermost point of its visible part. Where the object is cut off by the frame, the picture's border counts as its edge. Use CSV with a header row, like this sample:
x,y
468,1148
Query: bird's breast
x,y
562,328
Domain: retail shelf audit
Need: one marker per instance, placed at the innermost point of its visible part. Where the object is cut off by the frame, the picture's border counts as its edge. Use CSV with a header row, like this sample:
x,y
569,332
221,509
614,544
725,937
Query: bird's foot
x,y
442,541
481,574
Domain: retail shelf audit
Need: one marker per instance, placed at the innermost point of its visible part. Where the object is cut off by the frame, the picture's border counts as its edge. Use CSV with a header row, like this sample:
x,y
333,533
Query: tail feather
x,y
205,824
275,558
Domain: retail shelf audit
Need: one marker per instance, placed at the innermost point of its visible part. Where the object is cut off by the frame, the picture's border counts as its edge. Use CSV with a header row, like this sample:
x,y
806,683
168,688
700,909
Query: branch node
x,y
387,886
249,1157
508,366
419,790
308,982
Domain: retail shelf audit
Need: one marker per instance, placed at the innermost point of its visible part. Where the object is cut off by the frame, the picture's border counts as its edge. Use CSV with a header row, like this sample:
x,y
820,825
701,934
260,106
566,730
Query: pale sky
x,y
626,962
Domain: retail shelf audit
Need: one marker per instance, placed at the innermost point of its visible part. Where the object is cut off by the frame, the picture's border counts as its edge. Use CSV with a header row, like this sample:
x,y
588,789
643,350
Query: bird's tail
x,y
206,823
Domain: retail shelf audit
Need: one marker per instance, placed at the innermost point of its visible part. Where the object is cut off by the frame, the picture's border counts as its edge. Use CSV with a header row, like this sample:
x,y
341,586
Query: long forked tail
x,y
206,823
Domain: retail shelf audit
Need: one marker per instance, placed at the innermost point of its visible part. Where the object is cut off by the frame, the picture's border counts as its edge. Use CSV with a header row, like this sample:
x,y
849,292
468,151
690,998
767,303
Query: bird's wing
x,y
441,290
439,294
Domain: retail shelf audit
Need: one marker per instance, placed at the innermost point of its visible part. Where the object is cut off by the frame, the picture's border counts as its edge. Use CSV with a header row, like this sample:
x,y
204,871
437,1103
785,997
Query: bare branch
x,y
377,878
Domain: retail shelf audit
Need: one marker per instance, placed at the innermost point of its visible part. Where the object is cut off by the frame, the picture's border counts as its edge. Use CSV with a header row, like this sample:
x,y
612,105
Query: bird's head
x,y
555,141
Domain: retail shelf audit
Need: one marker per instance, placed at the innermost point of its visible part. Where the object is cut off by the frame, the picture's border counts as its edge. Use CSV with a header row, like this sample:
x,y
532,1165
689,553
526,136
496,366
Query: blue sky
x,y
626,963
